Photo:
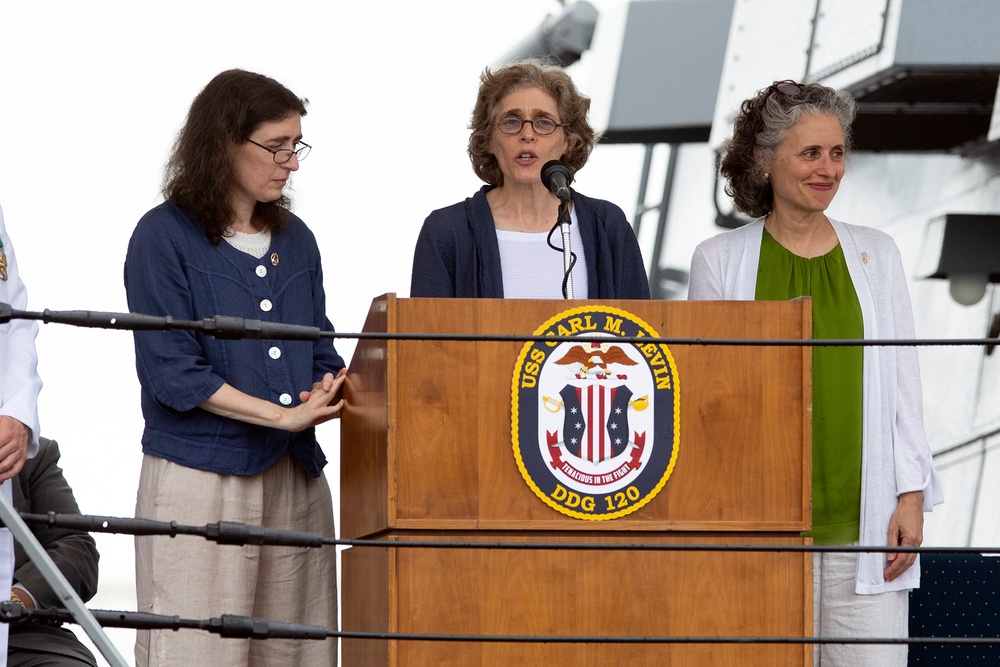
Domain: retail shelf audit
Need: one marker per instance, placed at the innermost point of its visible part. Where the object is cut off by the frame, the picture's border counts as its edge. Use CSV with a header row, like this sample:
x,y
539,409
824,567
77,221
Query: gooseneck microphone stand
x,y
564,222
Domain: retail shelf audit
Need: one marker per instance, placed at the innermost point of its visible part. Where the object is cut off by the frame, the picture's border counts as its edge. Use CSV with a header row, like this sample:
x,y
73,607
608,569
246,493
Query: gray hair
x,y
759,128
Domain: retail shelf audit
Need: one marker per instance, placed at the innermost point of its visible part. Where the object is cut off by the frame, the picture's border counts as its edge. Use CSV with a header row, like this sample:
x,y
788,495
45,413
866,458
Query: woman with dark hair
x,y
229,432
872,471
496,243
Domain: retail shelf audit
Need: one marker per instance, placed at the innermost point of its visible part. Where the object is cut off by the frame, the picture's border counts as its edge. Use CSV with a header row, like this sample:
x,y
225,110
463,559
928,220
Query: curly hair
x,y
531,73
199,175
761,125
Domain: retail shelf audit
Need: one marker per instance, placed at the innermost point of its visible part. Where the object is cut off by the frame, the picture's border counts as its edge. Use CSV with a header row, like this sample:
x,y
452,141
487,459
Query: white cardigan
x,y
896,457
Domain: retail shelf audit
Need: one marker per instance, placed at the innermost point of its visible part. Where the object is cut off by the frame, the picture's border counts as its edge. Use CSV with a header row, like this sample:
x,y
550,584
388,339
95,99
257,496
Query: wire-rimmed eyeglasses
x,y
283,155
513,125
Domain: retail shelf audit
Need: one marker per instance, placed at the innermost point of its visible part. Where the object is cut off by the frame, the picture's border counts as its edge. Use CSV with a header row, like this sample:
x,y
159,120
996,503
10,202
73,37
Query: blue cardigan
x,y
172,269
457,254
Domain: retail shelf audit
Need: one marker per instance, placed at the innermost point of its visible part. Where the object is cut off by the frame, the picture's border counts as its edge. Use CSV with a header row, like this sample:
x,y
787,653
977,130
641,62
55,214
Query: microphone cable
x,y
572,258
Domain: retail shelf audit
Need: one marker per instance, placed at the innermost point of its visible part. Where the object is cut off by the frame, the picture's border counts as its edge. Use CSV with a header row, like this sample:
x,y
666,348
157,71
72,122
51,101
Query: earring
x,y
767,176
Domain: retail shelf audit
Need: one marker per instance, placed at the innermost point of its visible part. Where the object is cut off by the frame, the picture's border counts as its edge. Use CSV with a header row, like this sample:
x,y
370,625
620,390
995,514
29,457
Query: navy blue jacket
x,y
173,269
457,254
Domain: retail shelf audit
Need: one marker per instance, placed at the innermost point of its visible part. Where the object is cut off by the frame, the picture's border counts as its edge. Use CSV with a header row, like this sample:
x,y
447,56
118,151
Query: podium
x,y
426,456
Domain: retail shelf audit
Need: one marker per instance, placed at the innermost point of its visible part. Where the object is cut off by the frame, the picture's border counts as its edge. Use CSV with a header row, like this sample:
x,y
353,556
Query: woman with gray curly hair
x,y
872,470
497,243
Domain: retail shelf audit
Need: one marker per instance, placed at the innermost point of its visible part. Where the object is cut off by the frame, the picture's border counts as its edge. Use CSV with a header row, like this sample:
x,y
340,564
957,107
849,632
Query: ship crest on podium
x,y
595,420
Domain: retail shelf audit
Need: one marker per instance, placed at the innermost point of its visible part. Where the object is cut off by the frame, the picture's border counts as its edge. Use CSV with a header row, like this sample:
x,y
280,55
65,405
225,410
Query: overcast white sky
x,y
93,94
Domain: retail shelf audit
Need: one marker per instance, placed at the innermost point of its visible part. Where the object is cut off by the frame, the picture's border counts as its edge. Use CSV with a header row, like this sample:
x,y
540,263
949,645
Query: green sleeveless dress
x,y
837,381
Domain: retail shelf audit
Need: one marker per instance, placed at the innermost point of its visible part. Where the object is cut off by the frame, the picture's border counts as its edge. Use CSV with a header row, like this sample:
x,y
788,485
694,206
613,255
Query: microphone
x,y
555,177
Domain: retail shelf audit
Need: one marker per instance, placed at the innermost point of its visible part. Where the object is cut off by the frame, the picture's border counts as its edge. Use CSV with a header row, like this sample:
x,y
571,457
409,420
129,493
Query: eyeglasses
x,y
513,125
785,88
283,155
788,88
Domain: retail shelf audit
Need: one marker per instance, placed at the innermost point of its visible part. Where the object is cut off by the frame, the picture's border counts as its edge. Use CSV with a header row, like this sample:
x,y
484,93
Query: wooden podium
x,y
427,456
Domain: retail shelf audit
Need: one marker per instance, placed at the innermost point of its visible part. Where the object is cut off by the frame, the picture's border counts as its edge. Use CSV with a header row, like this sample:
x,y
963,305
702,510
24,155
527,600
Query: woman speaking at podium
x,y
496,243
872,471
229,423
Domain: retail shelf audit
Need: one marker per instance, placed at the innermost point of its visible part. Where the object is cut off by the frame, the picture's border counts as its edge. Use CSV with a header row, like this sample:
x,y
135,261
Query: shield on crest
x,y
595,424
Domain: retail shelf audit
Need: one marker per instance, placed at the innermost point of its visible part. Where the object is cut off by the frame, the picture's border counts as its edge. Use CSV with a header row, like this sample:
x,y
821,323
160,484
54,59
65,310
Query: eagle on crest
x,y
594,357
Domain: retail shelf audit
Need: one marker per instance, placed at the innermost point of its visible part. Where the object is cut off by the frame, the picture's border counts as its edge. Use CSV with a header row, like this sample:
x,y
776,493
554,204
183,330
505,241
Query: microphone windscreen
x,y
550,169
